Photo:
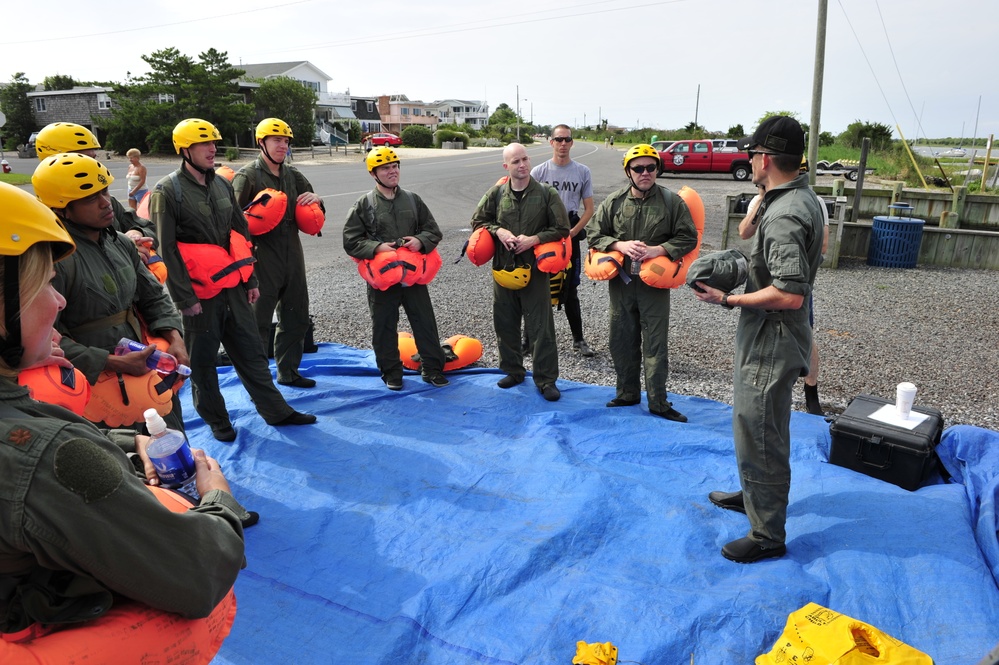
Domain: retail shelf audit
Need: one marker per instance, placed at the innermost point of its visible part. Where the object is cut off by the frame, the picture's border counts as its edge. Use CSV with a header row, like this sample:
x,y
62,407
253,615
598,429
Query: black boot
x,y
812,400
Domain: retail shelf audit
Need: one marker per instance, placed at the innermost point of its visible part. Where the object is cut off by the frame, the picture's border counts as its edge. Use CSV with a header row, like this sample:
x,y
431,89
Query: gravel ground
x,y
875,327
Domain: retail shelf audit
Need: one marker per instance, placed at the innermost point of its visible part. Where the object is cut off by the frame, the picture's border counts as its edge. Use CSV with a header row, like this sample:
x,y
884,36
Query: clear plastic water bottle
x,y
161,361
170,453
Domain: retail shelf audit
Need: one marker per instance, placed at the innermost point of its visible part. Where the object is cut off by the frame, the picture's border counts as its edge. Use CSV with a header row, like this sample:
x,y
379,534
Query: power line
x,y
866,59
919,124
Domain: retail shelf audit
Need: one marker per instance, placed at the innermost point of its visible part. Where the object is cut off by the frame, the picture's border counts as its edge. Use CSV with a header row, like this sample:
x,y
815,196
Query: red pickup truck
x,y
700,156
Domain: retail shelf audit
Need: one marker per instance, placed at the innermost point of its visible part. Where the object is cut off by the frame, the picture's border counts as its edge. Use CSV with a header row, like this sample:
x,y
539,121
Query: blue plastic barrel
x,y
895,242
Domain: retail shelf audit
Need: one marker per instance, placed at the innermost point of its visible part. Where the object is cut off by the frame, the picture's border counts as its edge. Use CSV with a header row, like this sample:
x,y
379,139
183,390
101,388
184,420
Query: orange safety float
x,y
226,172
157,266
129,632
553,257
63,386
211,268
600,266
459,351
383,271
664,273
142,207
419,268
310,218
480,247
119,400
265,211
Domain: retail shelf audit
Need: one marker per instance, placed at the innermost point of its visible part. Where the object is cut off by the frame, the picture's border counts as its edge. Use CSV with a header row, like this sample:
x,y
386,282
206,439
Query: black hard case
x,y
894,454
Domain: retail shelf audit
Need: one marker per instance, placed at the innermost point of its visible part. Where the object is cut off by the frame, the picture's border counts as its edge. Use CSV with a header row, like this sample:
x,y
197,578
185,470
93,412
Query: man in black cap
x,y
773,339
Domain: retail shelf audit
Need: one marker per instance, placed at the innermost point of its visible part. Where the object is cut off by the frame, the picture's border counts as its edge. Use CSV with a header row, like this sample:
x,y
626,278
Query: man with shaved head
x,y
522,213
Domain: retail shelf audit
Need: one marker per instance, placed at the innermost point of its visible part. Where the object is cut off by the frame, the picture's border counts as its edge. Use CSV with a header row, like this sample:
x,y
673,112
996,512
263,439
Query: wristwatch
x,y
724,302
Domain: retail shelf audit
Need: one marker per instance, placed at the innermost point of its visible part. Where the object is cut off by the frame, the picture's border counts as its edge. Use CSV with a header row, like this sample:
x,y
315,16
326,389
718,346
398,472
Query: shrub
x,y
450,136
417,136
232,154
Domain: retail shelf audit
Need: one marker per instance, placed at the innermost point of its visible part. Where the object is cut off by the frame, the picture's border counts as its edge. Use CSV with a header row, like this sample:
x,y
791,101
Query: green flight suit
x,y
126,219
206,214
539,211
772,351
102,281
280,267
79,530
639,313
364,230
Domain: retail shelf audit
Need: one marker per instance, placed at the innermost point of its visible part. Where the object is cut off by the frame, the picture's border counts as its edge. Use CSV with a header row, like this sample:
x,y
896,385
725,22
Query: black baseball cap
x,y
778,133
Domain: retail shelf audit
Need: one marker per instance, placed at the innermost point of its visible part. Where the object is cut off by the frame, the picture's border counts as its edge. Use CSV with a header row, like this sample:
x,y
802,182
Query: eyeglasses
x,y
648,168
562,139
753,153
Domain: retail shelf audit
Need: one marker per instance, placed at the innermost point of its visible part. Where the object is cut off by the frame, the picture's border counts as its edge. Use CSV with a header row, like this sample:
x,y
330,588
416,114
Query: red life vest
x,y
212,269
420,268
664,273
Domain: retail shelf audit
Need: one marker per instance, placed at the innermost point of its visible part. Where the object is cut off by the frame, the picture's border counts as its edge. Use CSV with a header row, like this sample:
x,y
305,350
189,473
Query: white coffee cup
x,y
905,394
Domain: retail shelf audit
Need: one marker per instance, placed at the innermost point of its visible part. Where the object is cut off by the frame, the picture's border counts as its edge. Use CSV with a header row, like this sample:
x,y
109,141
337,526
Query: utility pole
x,y
820,64
697,105
518,114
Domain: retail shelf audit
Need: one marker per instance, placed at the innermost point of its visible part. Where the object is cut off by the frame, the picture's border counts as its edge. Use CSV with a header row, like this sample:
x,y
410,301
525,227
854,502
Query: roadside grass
x,y
15,178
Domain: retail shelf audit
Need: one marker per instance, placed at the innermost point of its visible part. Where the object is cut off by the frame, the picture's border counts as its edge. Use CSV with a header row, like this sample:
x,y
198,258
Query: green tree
x,y
769,114
735,132
59,82
177,87
880,135
16,106
288,99
503,115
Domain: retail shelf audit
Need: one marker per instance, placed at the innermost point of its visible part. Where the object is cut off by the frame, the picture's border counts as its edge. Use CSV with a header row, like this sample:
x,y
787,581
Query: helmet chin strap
x,y
263,147
11,348
184,152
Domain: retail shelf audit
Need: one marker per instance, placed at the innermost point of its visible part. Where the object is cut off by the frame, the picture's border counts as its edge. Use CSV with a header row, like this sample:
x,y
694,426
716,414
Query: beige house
x,y
397,113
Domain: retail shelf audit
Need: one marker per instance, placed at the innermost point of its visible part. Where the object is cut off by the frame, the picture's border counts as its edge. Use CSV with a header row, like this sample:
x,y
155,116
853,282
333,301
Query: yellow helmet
x,y
641,150
194,130
68,177
27,221
273,127
380,157
514,279
64,137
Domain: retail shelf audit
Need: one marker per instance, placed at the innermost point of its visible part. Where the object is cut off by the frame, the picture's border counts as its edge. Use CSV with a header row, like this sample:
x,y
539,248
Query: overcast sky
x,y
634,62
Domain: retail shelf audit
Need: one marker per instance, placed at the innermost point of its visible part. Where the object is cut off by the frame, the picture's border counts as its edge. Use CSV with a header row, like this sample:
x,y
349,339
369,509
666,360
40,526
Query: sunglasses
x,y
648,168
753,153
562,139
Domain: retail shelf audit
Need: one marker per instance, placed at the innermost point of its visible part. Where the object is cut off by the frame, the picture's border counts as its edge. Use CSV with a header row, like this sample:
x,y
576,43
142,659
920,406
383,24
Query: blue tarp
x,y
470,524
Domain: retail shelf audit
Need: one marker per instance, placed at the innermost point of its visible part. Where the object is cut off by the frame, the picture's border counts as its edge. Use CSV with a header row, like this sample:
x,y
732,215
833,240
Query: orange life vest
x,y
129,632
480,247
459,351
310,218
664,273
226,172
62,386
553,257
601,266
420,268
212,269
265,211
382,271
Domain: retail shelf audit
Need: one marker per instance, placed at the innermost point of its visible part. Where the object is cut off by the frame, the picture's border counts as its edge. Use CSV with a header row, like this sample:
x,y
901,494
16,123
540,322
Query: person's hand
x,y
385,247
636,250
133,362
209,473
193,310
252,295
141,444
523,243
411,243
56,355
709,294
507,239
178,350
308,198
